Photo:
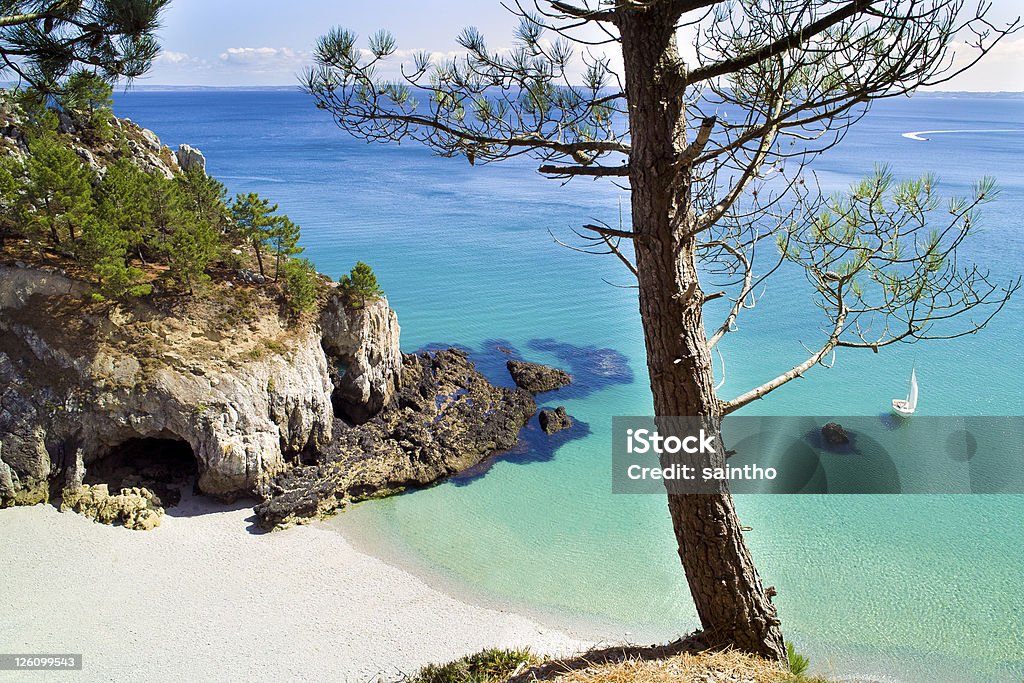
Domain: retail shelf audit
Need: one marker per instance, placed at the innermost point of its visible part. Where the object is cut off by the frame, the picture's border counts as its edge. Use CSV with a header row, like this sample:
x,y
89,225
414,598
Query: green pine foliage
x,y
59,192
89,100
798,664
125,202
11,173
192,245
137,232
301,287
104,249
254,219
284,241
205,197
361,285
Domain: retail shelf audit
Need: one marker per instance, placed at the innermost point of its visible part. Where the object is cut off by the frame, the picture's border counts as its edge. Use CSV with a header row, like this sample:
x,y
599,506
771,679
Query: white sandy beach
x,y
202,598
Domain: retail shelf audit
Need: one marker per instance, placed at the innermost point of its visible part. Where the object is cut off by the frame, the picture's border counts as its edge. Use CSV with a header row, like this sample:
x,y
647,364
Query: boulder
x,y
135,508
834,434
553,421
537,378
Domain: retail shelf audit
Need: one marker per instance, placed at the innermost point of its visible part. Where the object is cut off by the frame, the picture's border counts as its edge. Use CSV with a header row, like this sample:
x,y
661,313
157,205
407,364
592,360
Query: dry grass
x,y
683,661
705,667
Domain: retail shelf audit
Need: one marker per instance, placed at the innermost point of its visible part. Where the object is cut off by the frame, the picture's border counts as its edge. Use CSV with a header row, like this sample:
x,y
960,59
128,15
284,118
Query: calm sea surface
x,y
917,588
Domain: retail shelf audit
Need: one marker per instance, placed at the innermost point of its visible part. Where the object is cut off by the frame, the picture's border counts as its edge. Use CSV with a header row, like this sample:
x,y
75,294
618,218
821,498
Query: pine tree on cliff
x,y
10,196
255,220
361,283
190,248
284,240
58,193
43,41
708,190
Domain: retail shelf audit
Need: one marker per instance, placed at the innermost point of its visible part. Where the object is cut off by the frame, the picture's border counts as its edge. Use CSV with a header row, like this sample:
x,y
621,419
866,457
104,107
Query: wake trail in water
x,y
919,135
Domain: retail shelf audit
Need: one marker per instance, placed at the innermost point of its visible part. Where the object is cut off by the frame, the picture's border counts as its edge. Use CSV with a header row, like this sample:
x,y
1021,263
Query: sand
x,y
203,598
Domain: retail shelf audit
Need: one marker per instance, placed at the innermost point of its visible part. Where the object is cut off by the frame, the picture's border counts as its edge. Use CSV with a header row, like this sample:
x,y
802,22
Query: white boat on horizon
x,y
906,407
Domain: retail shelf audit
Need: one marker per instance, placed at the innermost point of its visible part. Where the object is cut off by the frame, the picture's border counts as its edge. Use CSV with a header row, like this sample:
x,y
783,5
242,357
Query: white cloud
x,y
264,58
999,70
178,58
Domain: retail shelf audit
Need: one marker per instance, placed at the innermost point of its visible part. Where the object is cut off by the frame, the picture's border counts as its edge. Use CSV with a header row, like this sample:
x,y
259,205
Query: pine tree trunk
x,y
259,256
733,607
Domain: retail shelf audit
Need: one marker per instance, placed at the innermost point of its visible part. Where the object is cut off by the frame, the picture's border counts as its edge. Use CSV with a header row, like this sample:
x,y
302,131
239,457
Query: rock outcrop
x,y
252,400
537,378
189,157
367,359
306,415
834,434
554,421
445,417
135,508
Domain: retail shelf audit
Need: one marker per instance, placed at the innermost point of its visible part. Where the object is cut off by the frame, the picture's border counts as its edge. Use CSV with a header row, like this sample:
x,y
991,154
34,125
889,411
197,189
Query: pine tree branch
x,y
798,371
788,42
595,171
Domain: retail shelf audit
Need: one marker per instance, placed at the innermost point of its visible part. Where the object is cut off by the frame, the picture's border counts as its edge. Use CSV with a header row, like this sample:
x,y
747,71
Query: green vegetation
x,y
482,667
43,41
125,225
88,99
360,285
300,285
798,664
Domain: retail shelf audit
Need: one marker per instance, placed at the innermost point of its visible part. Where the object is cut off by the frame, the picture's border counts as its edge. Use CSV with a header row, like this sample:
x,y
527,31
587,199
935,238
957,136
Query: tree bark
x,y
732,604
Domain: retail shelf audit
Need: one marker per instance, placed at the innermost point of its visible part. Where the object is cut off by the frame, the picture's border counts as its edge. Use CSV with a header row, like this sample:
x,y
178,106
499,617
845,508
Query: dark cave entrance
x,y
165,466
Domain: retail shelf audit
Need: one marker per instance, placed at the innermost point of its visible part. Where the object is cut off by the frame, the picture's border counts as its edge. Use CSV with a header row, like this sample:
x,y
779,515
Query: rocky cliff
x,y
77,381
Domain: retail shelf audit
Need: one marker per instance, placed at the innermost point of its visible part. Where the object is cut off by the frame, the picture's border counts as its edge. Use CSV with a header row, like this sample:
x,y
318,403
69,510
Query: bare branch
x,y
596,171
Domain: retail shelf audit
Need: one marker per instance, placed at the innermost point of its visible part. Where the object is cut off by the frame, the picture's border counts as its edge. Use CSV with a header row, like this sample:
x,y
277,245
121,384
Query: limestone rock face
x,y
364,345
77,382
189,157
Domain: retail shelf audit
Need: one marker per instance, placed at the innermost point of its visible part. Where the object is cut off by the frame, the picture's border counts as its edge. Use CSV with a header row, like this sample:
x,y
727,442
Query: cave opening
x,y
164,465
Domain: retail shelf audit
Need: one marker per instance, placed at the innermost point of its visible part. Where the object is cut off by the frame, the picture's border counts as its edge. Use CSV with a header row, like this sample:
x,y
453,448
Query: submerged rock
x,y
553,421
444,418
537,378
834,434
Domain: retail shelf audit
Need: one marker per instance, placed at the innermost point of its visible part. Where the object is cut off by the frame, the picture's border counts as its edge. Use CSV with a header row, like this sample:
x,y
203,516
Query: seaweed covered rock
x,y
444,418
135,508
555,420
537,378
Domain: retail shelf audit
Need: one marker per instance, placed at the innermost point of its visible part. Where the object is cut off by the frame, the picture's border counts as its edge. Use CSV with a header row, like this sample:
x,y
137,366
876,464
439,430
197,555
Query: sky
x,y
269,42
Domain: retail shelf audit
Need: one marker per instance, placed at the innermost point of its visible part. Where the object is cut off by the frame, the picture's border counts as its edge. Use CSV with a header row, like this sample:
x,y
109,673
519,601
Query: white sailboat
x,y
906,407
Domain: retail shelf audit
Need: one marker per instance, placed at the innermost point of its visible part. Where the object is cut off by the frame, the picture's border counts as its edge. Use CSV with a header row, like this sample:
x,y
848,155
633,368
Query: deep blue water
x,y
917,587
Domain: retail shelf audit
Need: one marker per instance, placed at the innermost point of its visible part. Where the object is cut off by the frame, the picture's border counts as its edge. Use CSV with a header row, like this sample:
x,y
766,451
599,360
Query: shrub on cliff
x,y
360,285
300,286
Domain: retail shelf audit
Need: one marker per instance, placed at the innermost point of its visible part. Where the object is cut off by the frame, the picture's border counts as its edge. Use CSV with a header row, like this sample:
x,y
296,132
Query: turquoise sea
x,y
914,588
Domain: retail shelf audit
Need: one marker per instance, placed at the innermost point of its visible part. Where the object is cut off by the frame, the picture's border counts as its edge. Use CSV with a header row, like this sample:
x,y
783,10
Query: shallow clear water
x,y
918,587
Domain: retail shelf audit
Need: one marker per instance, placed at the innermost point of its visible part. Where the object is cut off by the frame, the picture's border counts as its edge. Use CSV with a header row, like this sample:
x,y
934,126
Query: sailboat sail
x,y
912,396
